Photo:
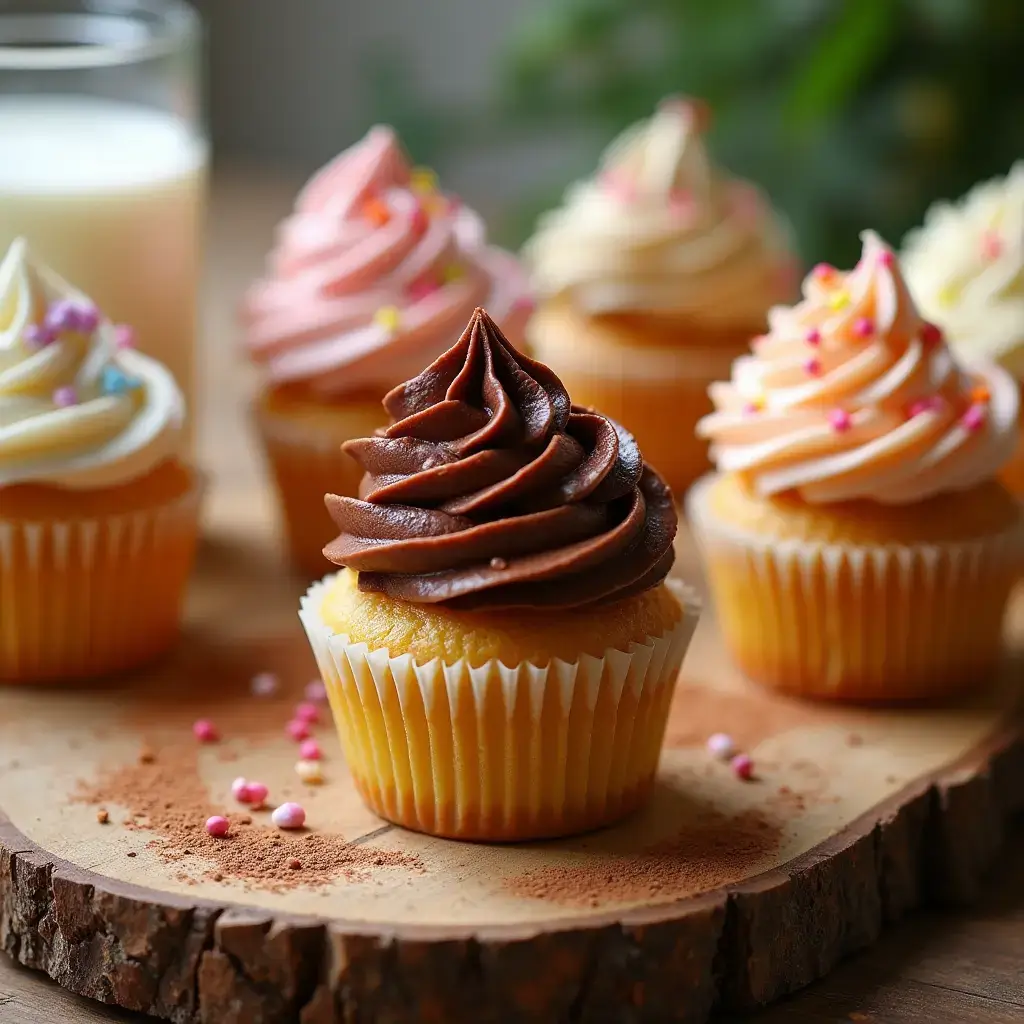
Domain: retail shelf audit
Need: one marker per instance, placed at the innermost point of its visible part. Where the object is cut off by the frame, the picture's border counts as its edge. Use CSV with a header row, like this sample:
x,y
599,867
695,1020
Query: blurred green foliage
x,y
850,113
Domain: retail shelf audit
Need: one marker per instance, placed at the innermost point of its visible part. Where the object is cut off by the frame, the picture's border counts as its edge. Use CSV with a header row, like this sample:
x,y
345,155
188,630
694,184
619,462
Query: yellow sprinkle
x,y
387,317
309,772
423,180
948,294
839,299
453,272
980,394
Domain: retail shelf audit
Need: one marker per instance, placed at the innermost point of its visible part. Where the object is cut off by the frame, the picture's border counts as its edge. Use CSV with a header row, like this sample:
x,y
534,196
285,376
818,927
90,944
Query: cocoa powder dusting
x,y
714,850
164,794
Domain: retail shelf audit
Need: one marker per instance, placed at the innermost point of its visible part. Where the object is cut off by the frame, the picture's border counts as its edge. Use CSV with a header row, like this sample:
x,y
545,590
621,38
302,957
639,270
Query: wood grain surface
x,y
890,810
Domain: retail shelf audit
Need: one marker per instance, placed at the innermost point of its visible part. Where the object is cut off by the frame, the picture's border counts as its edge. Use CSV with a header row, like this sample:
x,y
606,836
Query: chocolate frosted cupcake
x,y
502,644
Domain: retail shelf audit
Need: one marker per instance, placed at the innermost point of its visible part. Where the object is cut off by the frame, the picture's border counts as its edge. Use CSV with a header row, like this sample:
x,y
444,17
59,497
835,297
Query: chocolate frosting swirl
x,y
490,490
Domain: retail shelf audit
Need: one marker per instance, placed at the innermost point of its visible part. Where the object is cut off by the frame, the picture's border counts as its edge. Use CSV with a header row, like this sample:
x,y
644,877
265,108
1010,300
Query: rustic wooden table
x,y
948,968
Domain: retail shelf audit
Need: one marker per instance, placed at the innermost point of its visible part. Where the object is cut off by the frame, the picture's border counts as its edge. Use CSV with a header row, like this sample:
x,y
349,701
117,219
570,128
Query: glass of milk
x,y
103,157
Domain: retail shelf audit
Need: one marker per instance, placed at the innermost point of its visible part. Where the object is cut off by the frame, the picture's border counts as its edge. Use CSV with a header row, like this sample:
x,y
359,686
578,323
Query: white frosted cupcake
x,y
652,278
99,515
965,268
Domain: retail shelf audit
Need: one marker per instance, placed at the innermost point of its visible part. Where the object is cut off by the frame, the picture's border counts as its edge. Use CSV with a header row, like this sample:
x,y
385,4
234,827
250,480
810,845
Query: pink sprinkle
x,y
263,684
240,790
839,420
823,271
205,731
523,304
39,336
974,418
255,793
751,409
742,766
991,245
680,203
886,258
310,750
64,397
124,336
421,288
307,712
930,334
316,691
297,729
217,826
419,221
813,367
863,327
289,815
720,744
813,337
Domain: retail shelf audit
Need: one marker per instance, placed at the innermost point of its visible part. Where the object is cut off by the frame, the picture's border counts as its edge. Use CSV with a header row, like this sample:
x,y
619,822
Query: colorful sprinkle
x,y
263,684
720,744
39,336
839,300
316,691
824,272
886,258
839,420
948,294
289,815
933,403
67,315
754,406
256,793
421,288
423,180
124,336
309,772
616,184
813,337
453,272
307,712
116,382
498,564
523,305
974,418
419,219
931,334
240,790
294,863
812,367
742,766
217,826
205,731
297,729
309,750
388,317
65,397
980,394
680,203
863,327
991,245
376,211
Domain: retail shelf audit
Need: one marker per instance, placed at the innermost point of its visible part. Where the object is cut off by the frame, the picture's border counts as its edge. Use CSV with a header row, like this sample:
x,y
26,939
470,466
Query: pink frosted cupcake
x,y
371,276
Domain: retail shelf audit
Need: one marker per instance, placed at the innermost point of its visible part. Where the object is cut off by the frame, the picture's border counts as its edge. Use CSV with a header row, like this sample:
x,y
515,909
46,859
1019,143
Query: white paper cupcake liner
x,y
493,752
858,621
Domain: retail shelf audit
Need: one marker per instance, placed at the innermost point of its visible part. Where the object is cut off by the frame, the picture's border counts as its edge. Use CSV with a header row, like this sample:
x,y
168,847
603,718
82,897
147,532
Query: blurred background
x,y
849,113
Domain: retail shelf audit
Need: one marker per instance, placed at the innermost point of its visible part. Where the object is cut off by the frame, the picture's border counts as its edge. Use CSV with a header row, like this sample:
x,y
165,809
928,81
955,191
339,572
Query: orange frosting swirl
x,y
852,395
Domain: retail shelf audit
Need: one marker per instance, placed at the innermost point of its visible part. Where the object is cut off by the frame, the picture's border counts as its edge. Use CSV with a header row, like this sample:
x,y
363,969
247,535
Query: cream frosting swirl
x,y
660,231
77,408
965,268
372,274
852,395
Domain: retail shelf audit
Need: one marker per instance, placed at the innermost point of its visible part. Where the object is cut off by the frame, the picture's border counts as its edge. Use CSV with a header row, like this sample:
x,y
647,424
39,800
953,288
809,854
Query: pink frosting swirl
x,y
852,395
372,275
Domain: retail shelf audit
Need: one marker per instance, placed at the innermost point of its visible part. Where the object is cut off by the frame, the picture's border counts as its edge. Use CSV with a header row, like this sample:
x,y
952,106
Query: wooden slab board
x,y
719,893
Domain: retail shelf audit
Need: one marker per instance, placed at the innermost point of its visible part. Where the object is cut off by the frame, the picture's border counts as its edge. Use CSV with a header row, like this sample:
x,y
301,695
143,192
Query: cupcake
x,y
965,268
98,514
502,644
372,275
652,278
857,542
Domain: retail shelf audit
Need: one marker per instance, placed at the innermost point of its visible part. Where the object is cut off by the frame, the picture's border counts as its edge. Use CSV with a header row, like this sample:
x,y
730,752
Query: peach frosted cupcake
x,y
371,276
652,278
98,515
502,646
857,543
965,268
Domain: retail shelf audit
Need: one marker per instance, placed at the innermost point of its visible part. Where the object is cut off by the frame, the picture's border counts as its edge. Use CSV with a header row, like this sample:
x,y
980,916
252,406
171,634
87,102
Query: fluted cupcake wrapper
x,y
857,621
81,598
500,753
